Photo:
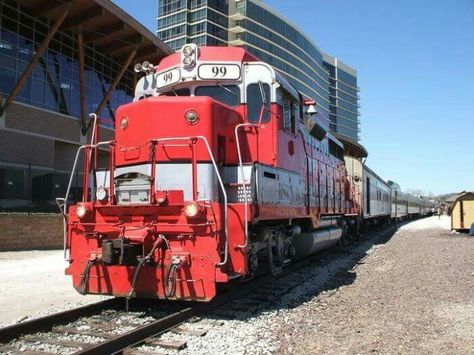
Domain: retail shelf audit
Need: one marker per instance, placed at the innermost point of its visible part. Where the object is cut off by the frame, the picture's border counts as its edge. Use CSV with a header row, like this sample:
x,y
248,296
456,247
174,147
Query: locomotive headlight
x,y
192,209
188,51
82,210
191,116
188,62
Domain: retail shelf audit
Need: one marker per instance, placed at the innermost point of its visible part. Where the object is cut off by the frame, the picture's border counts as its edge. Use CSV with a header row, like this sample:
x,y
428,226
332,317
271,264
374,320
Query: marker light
x,y
192,209
191,117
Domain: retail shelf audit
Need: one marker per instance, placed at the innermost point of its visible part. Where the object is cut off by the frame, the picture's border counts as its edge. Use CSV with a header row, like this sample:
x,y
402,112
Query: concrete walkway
x,y
33,284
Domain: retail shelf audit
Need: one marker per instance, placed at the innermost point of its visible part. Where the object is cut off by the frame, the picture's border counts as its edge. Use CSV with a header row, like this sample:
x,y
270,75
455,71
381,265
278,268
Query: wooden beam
x,y
34,60
120,43
84,16
116,81
82,79
45,7
143,53
104,31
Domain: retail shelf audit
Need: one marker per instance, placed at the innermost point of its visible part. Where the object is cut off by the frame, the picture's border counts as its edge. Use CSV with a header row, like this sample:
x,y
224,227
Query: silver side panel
x,y
265,184
278,186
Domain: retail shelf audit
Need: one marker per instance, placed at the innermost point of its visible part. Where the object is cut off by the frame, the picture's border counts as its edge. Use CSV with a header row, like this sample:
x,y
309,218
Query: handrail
x,y
241,166
224,193
62,202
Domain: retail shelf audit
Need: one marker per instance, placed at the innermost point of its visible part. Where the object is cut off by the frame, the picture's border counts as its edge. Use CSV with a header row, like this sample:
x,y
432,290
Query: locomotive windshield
x,y
229,94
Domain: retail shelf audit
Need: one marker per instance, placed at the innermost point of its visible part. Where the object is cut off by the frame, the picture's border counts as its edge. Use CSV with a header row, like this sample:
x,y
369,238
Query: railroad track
x,y
153,327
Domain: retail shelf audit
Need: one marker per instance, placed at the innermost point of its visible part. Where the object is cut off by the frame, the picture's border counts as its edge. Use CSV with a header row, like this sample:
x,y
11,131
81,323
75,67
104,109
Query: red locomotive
x,y
219,167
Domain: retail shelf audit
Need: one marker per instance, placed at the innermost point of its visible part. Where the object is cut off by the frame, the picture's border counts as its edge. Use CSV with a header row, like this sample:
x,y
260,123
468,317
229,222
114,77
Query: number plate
x,y
168,77
219,72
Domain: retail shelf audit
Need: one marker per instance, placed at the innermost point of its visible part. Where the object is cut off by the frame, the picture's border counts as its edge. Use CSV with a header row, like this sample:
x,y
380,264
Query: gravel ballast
x,y
411,294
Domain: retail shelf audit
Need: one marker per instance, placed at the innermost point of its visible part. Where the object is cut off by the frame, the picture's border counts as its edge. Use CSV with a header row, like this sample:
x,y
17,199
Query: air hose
x,y
170,279
141,263
84,284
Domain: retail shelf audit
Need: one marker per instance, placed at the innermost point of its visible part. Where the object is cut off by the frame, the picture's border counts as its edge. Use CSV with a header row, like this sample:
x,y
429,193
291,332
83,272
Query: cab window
x,y
177,92
255,103
229,94
291,111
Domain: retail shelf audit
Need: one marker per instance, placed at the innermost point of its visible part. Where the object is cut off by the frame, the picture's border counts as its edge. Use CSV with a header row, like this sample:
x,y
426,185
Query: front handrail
x,y
62,202
221,183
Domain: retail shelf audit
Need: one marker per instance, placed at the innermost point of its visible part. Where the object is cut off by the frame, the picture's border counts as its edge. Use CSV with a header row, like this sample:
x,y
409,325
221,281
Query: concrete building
x,y
59,62
274,39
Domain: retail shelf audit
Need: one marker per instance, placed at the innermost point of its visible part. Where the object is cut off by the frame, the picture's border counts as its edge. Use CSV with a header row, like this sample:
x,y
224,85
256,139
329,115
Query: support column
x,y
116,81
34,60
82,79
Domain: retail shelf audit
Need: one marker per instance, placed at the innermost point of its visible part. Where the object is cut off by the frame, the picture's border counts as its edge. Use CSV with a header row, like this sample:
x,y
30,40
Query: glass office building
x,y
272,38
343,97
204,22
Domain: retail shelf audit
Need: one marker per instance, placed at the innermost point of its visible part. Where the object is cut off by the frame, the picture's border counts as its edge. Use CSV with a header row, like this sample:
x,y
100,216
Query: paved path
x,y
33,283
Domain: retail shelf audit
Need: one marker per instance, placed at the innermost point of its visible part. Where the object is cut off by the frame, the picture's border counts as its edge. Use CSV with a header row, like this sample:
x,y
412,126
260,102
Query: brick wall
x,y
23,232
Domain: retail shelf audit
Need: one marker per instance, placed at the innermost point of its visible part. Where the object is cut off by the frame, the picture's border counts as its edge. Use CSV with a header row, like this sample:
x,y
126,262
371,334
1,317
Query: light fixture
x,y
188,50
191,116
188,62
137,68
124,122
82,210
101,194
192,209
189,55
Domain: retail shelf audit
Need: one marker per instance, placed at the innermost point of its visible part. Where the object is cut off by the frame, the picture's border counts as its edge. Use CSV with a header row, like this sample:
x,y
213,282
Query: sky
x,y
415,64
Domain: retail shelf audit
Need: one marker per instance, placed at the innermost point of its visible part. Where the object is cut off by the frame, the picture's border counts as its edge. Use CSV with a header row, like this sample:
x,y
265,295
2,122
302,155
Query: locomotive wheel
x,y
252,264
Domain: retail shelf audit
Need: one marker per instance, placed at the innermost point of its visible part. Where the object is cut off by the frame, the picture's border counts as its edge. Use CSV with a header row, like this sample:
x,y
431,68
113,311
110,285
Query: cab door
x,y
259,143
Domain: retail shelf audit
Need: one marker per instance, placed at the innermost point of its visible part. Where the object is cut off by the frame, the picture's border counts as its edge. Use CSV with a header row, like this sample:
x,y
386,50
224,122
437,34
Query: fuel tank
x,y
309,243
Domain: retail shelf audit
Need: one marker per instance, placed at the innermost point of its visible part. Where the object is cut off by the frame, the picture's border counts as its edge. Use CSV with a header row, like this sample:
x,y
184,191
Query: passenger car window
x,y
254,103
229,95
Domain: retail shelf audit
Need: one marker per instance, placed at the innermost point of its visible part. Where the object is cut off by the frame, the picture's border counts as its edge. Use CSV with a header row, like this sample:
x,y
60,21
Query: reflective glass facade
x,y
54,83
343,96
204,22
272,38
35,170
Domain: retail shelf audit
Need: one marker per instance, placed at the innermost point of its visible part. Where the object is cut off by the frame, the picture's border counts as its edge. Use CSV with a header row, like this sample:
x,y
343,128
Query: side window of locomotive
x,y
290,109
255,103
229,94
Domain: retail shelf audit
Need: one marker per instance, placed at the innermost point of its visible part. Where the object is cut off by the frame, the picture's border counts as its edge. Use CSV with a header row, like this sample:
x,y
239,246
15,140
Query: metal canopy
x,y
105,26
